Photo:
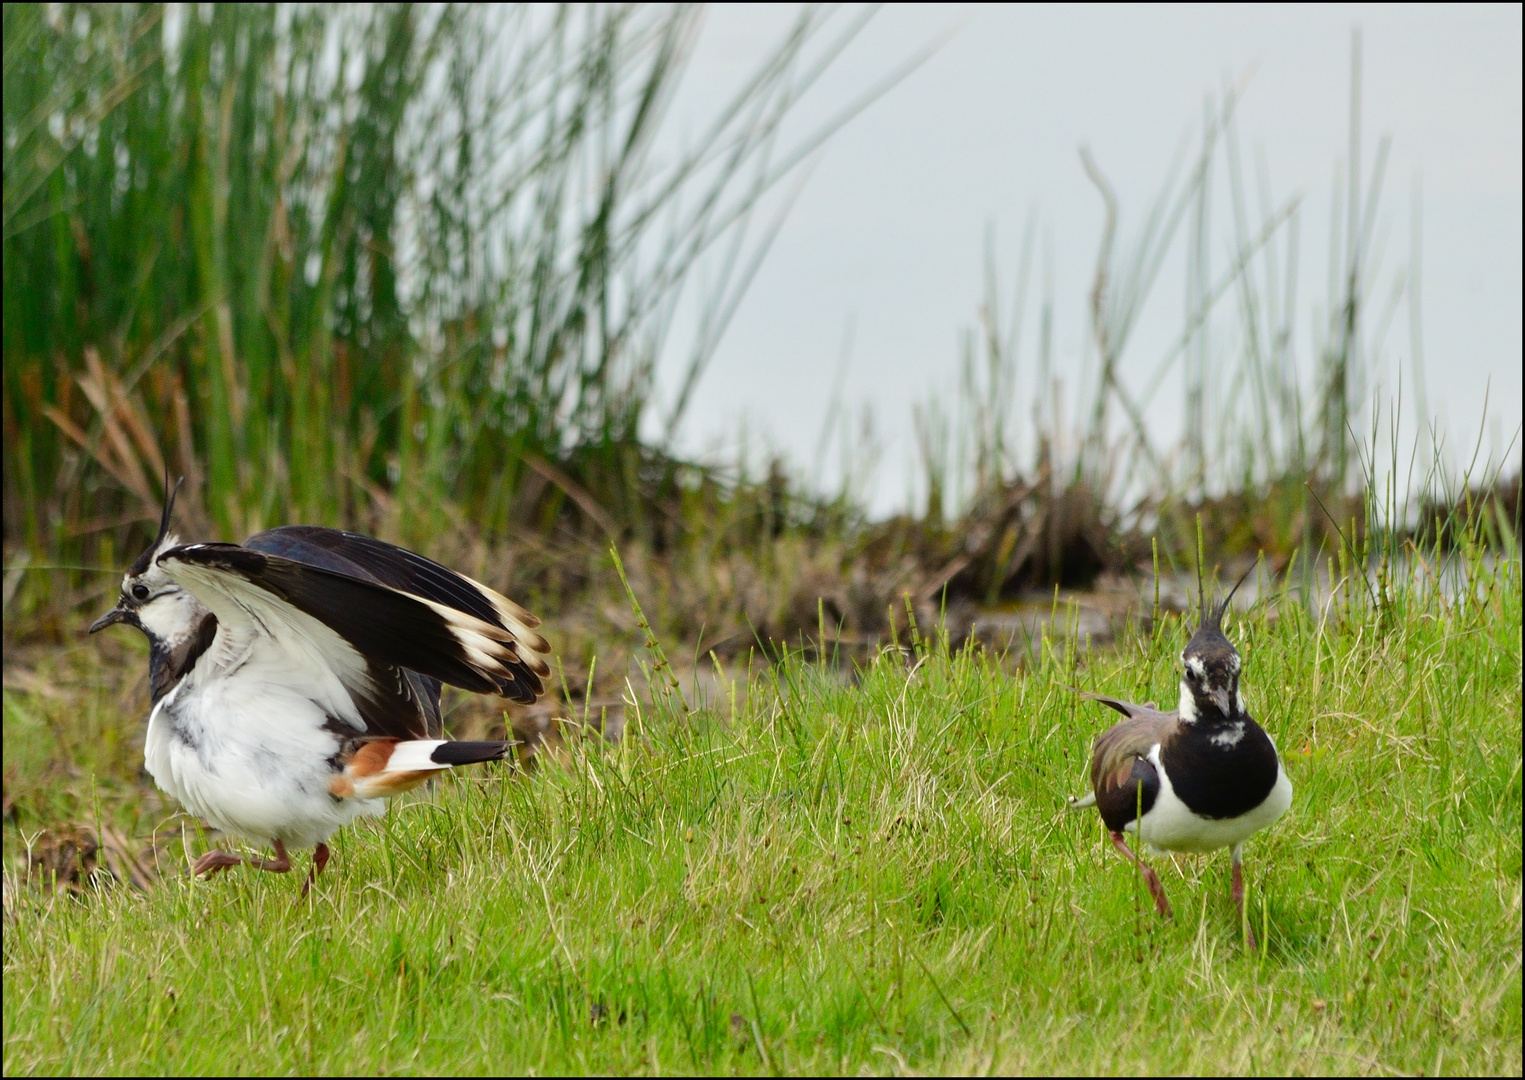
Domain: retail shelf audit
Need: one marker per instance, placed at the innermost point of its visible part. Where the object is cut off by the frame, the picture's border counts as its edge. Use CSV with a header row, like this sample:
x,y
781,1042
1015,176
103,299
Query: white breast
x,y
1170,825
243,746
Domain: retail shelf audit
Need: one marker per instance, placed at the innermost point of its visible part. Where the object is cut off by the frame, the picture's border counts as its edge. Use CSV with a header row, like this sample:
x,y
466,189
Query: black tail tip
x,y
467,752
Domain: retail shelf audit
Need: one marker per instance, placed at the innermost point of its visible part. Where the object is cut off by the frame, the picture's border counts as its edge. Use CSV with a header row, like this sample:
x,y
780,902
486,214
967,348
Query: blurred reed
x,y
362,265
1028,491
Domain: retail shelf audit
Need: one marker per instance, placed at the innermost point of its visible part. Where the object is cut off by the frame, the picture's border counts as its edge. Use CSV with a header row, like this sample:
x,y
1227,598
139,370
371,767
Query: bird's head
x,y
151,600
1210,669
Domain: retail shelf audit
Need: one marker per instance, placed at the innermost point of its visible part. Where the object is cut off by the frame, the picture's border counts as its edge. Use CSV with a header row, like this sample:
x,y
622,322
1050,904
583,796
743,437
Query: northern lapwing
x,y
296,677
1203,777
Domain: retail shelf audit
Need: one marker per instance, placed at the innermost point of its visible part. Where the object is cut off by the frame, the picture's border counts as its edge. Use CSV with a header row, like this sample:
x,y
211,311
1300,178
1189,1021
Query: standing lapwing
x,y
296,677
1203,777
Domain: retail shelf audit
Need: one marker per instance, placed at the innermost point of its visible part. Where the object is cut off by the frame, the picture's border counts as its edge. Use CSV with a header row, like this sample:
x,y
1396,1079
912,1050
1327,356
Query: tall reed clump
x,y
362,265
1031,479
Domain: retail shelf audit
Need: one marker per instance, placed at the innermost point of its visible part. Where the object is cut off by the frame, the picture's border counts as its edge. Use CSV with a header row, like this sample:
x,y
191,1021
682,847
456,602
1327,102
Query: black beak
x,y
115,615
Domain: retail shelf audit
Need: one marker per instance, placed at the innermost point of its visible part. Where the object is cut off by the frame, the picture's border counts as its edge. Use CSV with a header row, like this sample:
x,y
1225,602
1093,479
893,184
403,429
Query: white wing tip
x,y
536,663
519,622
510,611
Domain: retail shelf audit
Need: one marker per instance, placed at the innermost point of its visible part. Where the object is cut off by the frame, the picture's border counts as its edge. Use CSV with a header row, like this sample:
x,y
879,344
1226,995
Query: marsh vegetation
x,y
408,270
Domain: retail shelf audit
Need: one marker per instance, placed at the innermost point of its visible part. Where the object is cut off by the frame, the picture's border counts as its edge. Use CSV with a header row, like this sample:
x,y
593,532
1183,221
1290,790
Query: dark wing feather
x,y
365,556
1127,792
375,560
383,624
1127,708
399,703
426,691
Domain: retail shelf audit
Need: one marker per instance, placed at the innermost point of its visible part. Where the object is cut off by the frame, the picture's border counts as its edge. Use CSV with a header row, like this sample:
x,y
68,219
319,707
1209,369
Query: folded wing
x,y
1122,778
1127,708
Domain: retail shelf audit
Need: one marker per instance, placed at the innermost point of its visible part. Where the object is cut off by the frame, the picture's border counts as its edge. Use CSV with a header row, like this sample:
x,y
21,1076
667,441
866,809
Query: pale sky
x,y
888,234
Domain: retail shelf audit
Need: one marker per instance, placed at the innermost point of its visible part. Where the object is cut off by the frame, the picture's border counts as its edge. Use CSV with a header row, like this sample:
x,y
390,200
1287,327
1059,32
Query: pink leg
x,y
1238,892
319,861
1151,879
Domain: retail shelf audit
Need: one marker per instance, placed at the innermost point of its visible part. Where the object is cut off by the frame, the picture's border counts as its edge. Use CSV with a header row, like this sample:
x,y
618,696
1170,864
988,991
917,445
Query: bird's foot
x,y
213,862
1157,891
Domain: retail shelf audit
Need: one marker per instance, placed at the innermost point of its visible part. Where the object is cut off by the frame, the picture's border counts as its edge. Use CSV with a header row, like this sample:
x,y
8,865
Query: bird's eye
x,y
140,592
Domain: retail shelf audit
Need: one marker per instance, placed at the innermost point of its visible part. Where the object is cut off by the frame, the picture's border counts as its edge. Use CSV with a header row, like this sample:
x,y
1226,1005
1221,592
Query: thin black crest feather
x,y
1223,607
141,563
1212,621
169,507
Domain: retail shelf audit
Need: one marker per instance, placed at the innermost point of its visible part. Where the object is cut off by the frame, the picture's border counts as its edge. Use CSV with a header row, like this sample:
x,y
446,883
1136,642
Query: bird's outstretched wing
x,y
375,560
371,634
369,559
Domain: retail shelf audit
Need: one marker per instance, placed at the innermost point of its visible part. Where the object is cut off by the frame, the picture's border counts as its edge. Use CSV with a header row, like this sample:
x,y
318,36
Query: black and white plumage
x,y
296,677
1202,777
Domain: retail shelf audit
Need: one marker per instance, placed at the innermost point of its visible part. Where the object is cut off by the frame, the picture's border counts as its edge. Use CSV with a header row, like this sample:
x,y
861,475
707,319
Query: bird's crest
x,y
1210,626
146,559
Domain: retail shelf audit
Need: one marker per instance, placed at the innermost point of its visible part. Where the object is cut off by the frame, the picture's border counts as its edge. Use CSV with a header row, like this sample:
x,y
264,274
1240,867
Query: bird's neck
x,y
1205,709
171,660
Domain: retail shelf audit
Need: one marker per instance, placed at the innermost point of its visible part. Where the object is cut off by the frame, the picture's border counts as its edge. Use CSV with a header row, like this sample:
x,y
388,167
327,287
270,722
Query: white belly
x,y
252,764
1170,824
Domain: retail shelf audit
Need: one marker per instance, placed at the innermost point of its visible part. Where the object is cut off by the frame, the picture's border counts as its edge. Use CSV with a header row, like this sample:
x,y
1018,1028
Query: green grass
x,y
818,874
